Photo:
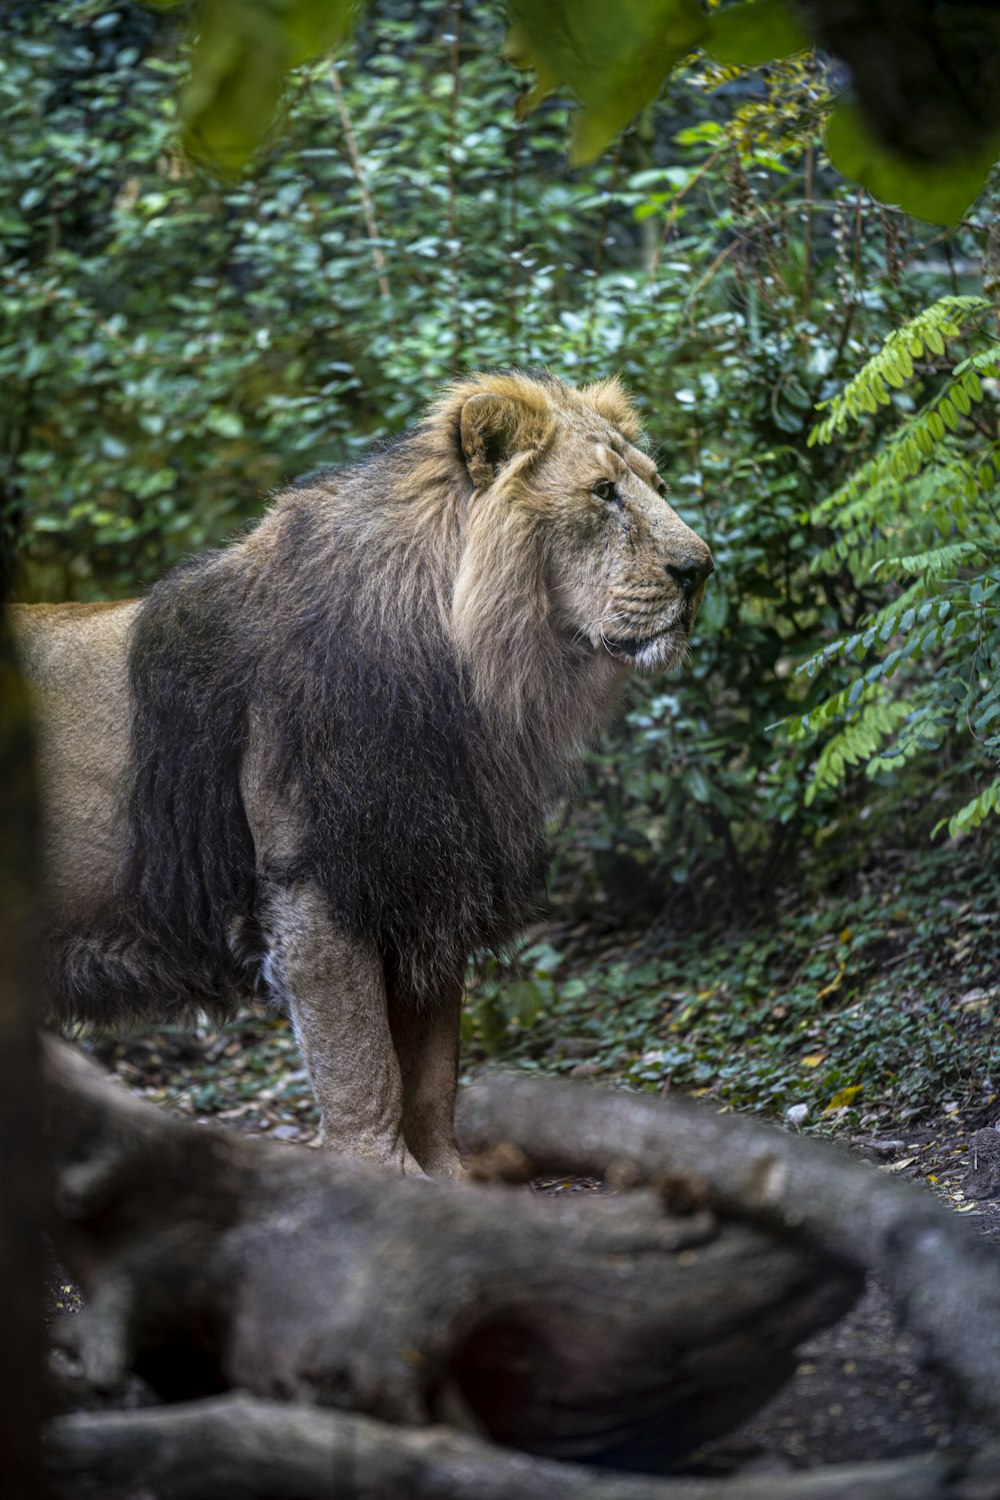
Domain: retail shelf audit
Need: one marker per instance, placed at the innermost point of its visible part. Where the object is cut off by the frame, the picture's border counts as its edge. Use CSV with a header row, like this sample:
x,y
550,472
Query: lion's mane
x,y
413,703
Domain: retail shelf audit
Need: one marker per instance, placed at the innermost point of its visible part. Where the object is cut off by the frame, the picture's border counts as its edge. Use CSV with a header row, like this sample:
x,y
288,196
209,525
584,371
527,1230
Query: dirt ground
x,y
857,1393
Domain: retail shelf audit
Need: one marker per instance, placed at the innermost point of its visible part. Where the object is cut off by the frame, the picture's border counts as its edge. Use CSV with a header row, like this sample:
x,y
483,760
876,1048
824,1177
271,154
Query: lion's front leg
x,y
427,1041
334,990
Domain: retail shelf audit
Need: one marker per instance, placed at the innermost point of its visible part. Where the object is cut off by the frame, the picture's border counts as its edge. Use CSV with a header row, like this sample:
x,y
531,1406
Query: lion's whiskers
x,y
597,626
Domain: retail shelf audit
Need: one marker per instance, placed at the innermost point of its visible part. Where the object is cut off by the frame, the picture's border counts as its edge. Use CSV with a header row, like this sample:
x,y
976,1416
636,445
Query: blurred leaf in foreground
x,y
748,36
613,58
242,52
938,192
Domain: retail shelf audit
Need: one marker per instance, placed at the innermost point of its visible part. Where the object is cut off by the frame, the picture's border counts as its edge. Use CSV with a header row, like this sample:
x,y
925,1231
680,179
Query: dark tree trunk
x,y
20,1114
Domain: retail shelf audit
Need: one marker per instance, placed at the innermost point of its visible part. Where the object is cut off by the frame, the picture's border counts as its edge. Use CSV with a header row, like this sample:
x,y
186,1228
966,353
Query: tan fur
x,y
488,523
75,658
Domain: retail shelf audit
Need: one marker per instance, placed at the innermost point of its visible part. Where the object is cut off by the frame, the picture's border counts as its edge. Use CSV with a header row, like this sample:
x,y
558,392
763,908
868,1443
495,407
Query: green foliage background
x,y
174,346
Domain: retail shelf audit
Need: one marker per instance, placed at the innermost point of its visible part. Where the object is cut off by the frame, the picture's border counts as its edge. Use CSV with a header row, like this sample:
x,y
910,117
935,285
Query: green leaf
x,y
523,1001
935,192
696,135
225,423
974,812
714,612
751,34
613,58
241,56
695,782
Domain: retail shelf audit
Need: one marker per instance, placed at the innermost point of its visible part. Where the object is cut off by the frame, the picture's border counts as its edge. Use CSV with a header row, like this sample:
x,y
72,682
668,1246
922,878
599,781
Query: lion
x,y
316,763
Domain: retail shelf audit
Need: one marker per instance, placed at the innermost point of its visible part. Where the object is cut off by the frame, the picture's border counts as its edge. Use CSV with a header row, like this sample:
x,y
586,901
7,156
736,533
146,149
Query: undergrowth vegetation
x,y
868,1007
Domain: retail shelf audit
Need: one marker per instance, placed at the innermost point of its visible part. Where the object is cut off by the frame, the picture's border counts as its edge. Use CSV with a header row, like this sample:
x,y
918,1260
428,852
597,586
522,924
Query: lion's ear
x,y
494,429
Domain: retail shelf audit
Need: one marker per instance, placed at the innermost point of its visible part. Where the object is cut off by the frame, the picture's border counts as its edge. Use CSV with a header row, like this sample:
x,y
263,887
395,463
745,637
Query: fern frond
x,y
858,741
976,811
919,515
923,731
935,562
892,367
922,437
892,519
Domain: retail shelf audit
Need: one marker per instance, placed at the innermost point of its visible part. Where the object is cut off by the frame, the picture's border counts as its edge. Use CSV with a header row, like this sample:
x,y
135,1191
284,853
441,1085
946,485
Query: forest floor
x,y
869,1015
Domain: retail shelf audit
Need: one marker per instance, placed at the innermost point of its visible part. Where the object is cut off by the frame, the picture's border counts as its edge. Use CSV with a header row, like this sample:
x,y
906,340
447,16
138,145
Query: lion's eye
x,y
604,489
659,486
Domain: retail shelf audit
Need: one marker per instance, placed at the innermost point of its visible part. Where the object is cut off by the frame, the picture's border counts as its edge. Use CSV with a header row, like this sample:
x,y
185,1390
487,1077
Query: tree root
x,y
238,1448
944,1281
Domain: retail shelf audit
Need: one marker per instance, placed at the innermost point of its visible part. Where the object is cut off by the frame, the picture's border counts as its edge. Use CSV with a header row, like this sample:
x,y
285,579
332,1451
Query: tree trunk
x,y
20,1114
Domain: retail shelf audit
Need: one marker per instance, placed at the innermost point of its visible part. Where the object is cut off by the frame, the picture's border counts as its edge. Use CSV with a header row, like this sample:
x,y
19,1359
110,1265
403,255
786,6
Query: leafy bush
x,y
919,515
172,348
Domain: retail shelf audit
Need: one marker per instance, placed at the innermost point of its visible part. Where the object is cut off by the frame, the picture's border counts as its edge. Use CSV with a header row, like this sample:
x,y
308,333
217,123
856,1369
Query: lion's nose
x,y
691,572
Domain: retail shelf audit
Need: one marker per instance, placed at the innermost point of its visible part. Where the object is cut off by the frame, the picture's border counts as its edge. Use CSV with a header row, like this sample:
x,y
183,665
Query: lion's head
x,y
567,533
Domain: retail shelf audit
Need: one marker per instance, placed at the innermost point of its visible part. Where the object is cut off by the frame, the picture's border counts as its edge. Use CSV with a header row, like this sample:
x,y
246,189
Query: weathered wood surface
x,y
586,1327
438,1319
238,1448
944,1279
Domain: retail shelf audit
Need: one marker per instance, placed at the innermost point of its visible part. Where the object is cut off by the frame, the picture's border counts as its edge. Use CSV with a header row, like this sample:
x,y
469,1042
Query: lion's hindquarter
x,y
76,658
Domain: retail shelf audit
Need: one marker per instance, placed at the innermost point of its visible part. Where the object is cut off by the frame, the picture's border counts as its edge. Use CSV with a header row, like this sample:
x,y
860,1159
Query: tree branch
x,y
367,205
236,1448
944,1280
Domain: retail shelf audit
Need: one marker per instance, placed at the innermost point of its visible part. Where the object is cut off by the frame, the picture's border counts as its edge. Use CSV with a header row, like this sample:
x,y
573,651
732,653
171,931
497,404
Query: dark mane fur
x,y
187,873
424,825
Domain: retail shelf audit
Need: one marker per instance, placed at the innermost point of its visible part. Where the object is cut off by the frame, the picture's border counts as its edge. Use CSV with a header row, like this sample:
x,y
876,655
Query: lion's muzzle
x,y
692,572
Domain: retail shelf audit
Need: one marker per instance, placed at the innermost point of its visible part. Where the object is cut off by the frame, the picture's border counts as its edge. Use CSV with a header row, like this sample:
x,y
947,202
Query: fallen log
x,y
607,1329
438,1320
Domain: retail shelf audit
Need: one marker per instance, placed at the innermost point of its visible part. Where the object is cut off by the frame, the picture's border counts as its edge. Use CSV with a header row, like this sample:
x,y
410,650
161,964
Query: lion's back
x,y
75,658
